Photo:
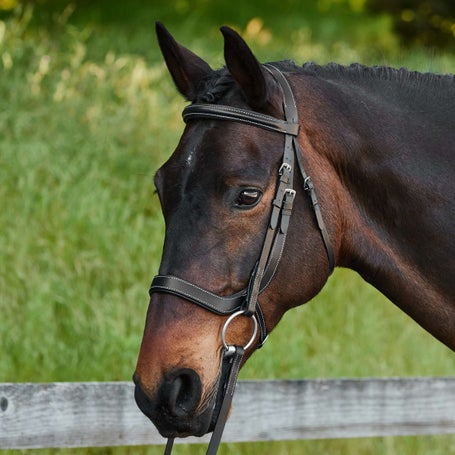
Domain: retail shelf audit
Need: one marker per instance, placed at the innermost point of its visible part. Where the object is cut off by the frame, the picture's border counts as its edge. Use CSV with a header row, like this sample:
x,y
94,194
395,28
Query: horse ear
x,y
245,68
186,68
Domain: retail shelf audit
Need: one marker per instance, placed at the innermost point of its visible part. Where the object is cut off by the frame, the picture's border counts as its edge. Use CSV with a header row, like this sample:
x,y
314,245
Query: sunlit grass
x,y
87,114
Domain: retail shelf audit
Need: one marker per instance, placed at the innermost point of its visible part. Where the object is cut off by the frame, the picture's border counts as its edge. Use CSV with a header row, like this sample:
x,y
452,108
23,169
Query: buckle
x,y
285,168
308,184
289,197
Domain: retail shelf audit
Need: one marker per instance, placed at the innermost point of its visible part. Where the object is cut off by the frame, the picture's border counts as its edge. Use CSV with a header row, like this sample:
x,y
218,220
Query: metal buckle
x,y
308,184
289,196
285,168
226,325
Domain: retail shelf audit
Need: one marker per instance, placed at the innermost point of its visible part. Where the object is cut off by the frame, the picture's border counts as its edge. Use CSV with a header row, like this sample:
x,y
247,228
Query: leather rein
x,y
245,302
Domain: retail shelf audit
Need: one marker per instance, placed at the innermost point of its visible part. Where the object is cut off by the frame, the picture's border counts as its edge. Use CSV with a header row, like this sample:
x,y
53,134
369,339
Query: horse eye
x,y
248,198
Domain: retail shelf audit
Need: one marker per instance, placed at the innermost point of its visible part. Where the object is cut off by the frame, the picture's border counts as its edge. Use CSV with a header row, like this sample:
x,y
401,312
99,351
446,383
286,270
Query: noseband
x,y
246,302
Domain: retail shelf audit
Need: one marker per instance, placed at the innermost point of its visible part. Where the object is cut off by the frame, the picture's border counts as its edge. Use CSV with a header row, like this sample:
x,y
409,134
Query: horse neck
x,y
388,202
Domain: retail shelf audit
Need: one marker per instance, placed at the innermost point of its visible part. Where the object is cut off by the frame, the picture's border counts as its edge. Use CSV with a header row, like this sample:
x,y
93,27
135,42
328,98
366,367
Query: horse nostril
x,y
182,391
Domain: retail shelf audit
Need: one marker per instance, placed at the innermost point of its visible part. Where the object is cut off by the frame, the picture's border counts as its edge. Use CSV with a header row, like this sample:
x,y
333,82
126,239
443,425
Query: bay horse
x,y
378,145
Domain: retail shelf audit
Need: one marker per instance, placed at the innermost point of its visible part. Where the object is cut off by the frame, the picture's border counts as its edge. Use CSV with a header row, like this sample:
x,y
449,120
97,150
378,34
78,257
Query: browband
x,y
221,112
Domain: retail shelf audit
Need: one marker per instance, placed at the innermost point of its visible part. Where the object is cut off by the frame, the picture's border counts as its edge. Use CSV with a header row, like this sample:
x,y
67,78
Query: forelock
x,y
215,87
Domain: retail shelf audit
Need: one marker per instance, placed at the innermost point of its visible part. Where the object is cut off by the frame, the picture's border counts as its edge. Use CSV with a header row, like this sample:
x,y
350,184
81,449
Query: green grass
x,y
87,114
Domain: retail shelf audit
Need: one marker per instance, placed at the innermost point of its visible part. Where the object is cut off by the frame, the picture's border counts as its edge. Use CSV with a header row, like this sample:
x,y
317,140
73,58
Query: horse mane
x,y
359,72
220,82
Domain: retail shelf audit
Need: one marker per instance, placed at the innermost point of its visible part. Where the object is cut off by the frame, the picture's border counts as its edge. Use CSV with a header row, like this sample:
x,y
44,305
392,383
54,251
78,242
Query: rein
x,y
245,302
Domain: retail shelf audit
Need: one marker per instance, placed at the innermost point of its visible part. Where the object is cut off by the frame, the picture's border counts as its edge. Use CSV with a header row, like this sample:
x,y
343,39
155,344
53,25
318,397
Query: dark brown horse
x,y
378,144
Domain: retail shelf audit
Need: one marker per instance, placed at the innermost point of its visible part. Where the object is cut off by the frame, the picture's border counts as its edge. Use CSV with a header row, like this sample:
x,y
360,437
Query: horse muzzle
x,y
175,406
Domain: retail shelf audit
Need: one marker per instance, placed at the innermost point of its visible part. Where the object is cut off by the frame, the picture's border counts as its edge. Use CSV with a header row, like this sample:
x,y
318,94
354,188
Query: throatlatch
x,y
245,302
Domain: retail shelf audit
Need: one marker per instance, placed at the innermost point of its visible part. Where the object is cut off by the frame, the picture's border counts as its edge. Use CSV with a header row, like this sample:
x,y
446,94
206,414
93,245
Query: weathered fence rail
x,y
104,414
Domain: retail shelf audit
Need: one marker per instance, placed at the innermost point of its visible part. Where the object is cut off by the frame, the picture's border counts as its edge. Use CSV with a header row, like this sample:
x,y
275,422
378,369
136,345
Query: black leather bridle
x,y
245,302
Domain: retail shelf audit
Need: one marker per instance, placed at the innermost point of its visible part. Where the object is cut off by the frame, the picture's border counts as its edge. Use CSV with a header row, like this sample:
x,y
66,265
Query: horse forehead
x,y
182,161
215,148
196,141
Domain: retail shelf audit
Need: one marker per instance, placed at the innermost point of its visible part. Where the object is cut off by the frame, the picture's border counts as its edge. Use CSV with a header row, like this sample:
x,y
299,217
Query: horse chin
x,y
171,426
178,428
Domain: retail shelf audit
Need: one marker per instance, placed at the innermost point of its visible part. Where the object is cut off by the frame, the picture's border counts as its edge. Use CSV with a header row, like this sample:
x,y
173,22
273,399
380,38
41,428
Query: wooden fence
x,y
104,414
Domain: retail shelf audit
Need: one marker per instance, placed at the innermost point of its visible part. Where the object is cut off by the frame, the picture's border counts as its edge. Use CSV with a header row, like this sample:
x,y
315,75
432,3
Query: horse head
x,y
217,192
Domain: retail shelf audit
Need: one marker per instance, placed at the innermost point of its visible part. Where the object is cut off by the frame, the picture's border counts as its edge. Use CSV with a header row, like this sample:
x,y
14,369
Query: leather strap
x,y
169,445
309,188
233,360
254,288
195,294
311,191
221,112
223,306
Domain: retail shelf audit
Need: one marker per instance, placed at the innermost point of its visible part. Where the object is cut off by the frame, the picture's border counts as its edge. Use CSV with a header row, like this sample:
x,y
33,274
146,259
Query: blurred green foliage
x,y
422,22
